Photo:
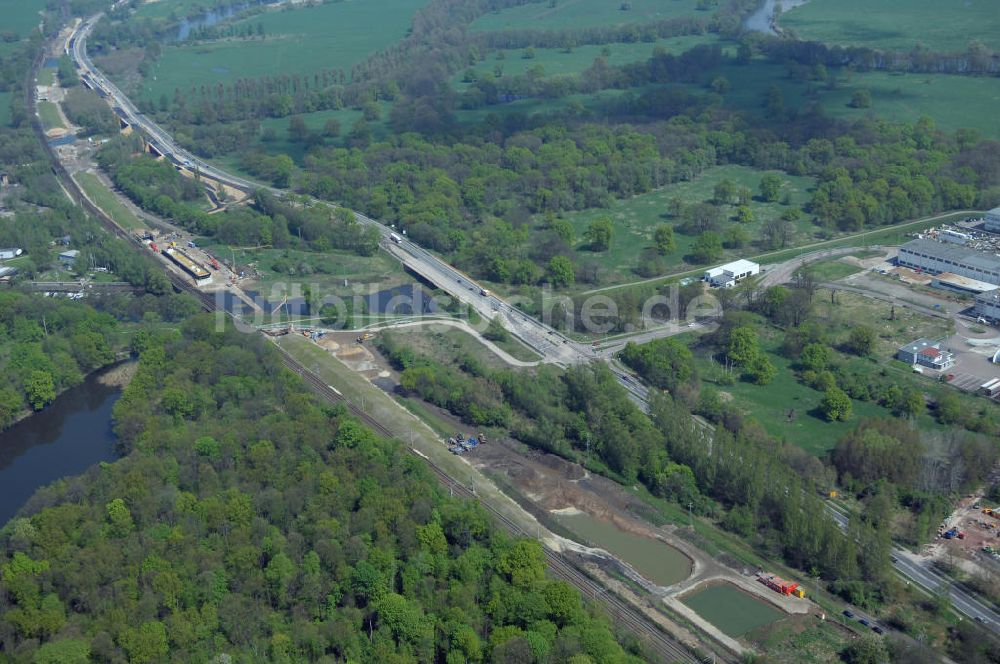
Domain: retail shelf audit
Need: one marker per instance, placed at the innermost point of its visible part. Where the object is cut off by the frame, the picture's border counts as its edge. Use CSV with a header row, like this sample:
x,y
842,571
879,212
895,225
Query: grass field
x,y
46,76
770,404
897,97
449,345
941,25
326,271
20,16
833,269
49,115
299,41
635,219
107,201
557,62
563,14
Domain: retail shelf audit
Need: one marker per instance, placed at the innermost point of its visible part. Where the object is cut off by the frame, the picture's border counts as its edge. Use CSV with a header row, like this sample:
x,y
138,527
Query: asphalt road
x,y
920,571
550,343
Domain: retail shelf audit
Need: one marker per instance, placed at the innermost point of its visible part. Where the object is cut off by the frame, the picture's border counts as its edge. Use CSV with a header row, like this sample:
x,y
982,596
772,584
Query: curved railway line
x,y
654,639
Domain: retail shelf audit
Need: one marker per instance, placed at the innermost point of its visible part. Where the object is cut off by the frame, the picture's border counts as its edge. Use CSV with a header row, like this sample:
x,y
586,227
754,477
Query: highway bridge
x,y
554,346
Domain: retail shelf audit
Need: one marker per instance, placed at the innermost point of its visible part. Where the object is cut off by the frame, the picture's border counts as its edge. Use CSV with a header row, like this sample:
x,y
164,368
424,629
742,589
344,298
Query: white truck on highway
x,y
395,238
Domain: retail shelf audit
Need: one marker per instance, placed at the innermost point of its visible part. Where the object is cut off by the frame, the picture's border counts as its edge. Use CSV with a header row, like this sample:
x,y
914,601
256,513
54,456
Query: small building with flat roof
x,y
956,282
728,275
68,258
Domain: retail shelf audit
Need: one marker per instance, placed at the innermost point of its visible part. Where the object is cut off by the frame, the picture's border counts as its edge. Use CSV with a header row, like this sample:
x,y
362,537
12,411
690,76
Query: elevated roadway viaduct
x,y
554,346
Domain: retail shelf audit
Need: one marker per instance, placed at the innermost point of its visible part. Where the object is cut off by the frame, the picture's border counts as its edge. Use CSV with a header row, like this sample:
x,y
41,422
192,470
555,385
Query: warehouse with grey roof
x,y
936,257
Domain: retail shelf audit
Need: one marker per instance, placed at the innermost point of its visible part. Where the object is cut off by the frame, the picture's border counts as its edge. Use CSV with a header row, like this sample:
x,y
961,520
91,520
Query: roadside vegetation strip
x,y
889,235
105,199
49,115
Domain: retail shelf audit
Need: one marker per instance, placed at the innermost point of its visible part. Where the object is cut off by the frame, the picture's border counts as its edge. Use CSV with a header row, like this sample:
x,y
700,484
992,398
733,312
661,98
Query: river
x,y
762,20
65,439
210,18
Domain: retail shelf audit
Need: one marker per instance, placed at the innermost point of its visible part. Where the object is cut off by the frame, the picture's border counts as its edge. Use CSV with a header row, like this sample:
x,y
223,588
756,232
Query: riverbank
x,y
765,19
72,434
119,375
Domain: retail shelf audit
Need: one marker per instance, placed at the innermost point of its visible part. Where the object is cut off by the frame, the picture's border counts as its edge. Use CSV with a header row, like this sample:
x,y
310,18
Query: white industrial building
x,y
936,257
728,275
992,219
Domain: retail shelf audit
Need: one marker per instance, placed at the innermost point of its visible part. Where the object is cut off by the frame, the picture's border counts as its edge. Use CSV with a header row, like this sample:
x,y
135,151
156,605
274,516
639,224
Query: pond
x,y
65,439
655,560
732,610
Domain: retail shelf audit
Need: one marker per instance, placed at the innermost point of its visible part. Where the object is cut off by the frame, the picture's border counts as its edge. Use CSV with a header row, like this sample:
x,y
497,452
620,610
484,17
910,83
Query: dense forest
x,y
247,521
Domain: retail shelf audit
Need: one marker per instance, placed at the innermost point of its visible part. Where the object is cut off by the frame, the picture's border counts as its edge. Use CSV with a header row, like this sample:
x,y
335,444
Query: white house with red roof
x,y
926,353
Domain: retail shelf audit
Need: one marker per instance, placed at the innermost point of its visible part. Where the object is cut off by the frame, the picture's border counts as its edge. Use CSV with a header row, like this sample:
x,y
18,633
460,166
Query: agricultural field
x,y
48,112
940,25
566,14
20,16
293,44
636,218
107,201
559,62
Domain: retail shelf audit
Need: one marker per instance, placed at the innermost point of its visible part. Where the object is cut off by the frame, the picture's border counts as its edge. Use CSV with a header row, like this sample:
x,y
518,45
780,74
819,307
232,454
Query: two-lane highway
x,y
920,571
550,343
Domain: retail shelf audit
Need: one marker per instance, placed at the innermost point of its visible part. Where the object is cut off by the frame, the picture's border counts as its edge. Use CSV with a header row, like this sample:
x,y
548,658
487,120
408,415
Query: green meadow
x,y
20,16
107,201
564,14
895,96
941,25
635,219
559,62
48,113
298,41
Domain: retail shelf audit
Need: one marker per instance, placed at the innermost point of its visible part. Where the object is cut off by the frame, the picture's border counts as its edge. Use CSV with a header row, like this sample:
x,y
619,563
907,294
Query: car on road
x,y
864,621
848,613
878,630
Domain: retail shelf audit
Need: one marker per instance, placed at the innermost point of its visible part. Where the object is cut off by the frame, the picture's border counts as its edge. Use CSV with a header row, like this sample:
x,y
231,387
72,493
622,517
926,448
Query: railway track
x,y
655,640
